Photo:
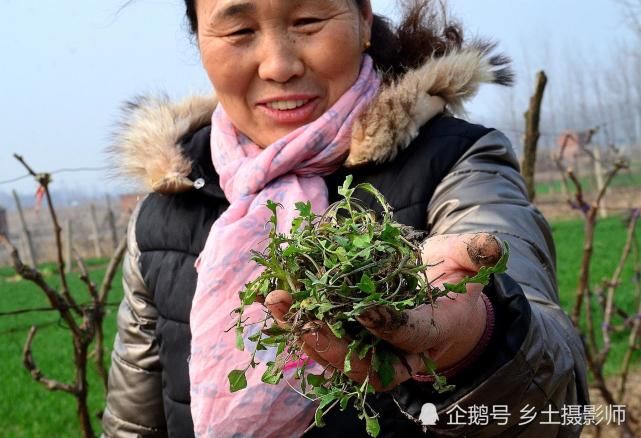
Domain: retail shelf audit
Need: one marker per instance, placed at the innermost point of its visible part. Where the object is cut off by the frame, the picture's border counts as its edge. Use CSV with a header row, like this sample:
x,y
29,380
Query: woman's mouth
x,y
284,105
289,111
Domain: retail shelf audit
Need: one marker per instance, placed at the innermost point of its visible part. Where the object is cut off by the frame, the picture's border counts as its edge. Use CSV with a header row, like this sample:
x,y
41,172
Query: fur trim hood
x,y
147,141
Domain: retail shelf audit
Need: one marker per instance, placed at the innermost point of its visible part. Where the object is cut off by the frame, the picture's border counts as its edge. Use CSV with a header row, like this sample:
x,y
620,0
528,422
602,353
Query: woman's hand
x,y
447,333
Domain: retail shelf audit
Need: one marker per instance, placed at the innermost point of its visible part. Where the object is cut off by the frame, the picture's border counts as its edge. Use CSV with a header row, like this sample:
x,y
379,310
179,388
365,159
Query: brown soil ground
x,y
632,401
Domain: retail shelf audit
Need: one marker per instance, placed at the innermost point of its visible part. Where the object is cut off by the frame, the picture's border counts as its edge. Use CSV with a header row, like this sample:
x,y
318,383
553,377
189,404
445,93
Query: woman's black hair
x,y
424,31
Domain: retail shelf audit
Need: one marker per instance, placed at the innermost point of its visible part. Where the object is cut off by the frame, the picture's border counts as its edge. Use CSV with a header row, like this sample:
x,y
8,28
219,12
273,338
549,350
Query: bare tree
x,y
83,320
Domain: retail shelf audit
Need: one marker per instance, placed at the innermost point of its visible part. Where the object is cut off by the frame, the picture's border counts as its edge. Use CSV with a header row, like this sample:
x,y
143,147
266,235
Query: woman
x,y
308,92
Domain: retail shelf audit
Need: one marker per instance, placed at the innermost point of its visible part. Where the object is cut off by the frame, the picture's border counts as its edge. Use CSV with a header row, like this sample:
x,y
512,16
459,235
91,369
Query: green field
x,y
28,410
609,241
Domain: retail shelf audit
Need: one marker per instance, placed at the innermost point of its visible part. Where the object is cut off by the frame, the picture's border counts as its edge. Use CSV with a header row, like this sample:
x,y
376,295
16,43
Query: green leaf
x,y
305,208
363,350
337,329
273,205
372,426
344,401
240,342
345,191
318,417
347,365
275,330
366,284
315,380
361,241
483,276
237,380
328,399
249,296
290,251
374,192
272,375
390,233
385,366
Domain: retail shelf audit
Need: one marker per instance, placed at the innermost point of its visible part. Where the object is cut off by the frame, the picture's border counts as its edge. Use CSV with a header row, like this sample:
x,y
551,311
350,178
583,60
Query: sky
x,y
67,66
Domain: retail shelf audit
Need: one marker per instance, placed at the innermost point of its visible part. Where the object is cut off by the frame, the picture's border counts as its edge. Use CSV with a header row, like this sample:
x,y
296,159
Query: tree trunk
x,y
532,134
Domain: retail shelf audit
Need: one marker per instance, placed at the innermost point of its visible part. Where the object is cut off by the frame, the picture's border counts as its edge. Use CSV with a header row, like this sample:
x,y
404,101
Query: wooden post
x,y
68,246
96,234
532,134
111,221
26,234
4,226
598,174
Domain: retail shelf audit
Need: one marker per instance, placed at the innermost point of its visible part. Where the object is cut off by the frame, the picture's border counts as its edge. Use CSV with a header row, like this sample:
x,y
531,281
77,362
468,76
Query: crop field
x,y
29,410
26,408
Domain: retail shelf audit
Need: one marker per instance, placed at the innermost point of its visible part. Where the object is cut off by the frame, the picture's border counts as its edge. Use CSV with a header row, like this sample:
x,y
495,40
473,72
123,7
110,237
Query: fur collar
x,y
147,143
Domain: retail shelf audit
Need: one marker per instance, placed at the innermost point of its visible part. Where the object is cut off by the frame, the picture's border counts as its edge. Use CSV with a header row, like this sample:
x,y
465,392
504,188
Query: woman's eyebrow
x,y
235,9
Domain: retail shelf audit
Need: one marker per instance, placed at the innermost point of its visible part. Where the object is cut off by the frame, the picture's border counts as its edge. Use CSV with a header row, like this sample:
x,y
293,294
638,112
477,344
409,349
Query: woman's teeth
x,y
284,105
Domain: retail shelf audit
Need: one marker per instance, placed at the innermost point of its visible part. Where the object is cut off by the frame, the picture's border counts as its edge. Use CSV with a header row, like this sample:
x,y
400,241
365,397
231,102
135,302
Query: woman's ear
x,y
367,20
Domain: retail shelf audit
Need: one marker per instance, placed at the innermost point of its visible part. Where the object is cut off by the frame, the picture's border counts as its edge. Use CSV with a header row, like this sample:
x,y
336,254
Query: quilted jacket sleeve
x,y
536,358
134,398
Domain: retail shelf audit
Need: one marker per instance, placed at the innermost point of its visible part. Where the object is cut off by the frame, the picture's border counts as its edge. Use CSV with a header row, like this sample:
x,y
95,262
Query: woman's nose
x,y
280,60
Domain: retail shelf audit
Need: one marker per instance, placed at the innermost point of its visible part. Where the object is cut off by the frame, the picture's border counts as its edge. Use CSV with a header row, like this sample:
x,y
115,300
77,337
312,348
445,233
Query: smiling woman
x,y
279,65
307,92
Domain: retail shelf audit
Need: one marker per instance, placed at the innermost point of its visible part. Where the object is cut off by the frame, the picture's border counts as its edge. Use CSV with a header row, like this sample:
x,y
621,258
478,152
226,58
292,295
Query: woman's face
x,y
279,64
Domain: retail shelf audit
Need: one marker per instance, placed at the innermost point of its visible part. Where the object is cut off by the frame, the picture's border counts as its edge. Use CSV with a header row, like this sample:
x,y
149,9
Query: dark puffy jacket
x,y
439,173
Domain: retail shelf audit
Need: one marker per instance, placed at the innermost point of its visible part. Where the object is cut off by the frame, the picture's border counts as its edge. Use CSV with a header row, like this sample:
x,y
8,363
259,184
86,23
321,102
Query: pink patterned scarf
x,y
288,171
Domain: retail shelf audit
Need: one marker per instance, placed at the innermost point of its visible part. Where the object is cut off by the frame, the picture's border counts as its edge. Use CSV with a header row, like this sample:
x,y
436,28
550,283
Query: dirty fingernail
x,y
484,250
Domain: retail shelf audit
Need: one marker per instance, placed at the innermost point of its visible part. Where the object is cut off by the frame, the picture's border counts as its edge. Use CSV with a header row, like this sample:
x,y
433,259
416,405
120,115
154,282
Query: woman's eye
x,y
307,21
241,32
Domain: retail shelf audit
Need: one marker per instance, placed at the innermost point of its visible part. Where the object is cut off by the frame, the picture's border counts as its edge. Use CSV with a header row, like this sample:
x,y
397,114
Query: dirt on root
x,y
632,402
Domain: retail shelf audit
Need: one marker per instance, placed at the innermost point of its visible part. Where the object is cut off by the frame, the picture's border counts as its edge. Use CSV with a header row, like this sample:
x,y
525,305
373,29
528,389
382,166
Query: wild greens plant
x,y
337,266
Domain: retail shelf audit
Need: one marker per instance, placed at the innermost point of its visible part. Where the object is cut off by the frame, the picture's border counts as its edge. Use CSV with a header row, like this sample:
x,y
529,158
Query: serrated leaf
x,y
372,426
367,285
361,241
305,208
237,380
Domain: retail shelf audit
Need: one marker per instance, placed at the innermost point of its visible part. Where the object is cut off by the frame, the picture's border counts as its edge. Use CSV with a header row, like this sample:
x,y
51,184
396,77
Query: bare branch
x,y
84,275
28,273
36,374
618,166
44,179
635,333
613,284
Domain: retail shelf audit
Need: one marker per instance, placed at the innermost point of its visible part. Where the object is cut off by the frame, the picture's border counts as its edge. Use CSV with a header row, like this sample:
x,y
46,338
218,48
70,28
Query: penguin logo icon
x,y
429,416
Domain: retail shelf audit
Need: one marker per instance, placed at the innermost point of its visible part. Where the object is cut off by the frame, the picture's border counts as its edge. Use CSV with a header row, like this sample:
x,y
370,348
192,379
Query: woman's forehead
x,y
227,8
